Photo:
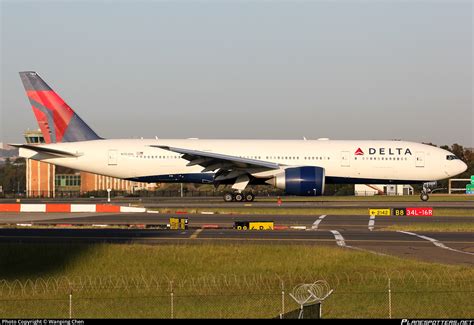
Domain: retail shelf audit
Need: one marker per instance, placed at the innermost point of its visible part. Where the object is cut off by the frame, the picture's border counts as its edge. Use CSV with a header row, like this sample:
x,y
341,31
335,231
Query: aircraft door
x,y
345,159
420,159
112,158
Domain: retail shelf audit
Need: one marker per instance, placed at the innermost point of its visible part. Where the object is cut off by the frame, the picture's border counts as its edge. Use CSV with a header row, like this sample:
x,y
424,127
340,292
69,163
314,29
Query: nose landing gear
x,y
427,189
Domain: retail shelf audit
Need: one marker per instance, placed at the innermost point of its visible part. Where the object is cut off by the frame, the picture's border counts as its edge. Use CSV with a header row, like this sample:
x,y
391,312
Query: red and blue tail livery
x,y
57,121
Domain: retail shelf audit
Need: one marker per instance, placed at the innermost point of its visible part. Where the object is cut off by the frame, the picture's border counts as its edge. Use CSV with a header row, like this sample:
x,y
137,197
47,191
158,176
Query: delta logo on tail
x,y
359,152
52,113
57,121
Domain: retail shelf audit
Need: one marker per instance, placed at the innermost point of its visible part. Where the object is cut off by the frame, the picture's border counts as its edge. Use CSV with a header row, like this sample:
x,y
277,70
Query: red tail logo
x,y
52,113
359,152
56,119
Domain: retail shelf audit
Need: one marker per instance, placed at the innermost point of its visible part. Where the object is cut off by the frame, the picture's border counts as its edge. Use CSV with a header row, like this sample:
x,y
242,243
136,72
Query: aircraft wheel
x,y
228,197
424,196
249,197
239,197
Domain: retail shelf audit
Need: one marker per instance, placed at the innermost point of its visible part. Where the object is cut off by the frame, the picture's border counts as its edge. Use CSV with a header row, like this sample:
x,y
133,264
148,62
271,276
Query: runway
x,y
341,222
126,235
346,231
261,202
461,245
310,204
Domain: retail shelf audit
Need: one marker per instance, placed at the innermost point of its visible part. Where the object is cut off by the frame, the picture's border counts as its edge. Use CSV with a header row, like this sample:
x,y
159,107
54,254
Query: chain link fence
x,y
354,296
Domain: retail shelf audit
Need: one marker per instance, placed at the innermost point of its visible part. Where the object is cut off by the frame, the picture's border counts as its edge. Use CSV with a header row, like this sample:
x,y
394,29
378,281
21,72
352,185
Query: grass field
x,y
213,280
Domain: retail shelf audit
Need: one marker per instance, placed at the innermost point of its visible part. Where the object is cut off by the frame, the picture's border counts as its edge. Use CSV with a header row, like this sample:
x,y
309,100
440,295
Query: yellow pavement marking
x,y
196,233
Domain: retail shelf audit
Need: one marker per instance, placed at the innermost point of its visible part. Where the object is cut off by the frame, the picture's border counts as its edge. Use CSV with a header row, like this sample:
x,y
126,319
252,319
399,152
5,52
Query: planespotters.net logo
x,y
437,322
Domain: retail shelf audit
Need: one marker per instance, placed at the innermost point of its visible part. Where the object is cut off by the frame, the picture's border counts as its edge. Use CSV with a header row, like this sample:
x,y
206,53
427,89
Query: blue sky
x,y
246,69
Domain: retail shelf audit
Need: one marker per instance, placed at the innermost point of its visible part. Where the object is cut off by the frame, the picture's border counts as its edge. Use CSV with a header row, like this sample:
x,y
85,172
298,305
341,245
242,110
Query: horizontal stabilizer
x,y
44,150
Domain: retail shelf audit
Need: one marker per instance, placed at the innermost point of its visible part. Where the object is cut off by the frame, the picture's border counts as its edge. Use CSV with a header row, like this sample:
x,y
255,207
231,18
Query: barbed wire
x,y
222,283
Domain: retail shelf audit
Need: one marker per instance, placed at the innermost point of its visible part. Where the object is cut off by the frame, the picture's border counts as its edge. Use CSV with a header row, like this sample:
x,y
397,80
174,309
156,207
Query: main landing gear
x,y
239,197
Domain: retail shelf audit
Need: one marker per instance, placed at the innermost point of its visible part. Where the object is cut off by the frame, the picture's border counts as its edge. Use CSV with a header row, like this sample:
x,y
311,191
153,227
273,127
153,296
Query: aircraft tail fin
x,y
57,121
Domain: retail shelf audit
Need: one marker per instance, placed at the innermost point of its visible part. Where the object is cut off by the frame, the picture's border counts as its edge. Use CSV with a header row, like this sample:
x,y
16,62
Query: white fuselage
x,y
345,159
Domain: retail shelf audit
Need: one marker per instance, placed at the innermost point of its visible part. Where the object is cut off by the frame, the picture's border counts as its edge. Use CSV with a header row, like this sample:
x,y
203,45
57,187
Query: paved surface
x,y
459,246
341,222
217,202
306,205
349,232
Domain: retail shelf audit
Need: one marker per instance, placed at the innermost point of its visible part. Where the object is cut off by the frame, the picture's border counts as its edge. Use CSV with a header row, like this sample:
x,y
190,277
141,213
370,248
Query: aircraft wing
x,y
45,150
229,166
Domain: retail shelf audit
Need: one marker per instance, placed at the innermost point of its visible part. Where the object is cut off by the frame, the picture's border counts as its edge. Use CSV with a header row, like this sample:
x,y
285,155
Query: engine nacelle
x,y
302,181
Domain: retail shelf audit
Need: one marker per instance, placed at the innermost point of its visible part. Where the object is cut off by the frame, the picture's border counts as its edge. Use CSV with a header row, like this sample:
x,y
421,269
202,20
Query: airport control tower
x,y
39,175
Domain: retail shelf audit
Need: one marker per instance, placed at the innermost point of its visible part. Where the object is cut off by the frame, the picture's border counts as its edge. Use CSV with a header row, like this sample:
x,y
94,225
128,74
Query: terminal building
x,y
47,180
385,189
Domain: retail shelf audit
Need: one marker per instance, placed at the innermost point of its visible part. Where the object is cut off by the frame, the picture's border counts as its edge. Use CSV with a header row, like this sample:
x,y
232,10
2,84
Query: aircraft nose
x,y
462,167
455,168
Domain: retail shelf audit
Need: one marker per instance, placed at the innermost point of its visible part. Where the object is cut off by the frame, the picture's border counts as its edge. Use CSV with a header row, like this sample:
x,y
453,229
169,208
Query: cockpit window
x,y
451,157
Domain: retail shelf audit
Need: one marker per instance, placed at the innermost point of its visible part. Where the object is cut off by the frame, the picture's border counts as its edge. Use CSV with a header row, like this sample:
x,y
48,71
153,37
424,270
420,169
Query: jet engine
x,y
301,181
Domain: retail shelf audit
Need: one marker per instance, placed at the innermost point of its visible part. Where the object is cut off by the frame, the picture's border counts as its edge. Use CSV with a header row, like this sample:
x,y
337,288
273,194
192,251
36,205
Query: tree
x,y
459,151
13,176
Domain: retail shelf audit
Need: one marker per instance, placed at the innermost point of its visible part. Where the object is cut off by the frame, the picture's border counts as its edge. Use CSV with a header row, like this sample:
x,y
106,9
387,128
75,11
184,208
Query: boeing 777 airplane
x,y
300,167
